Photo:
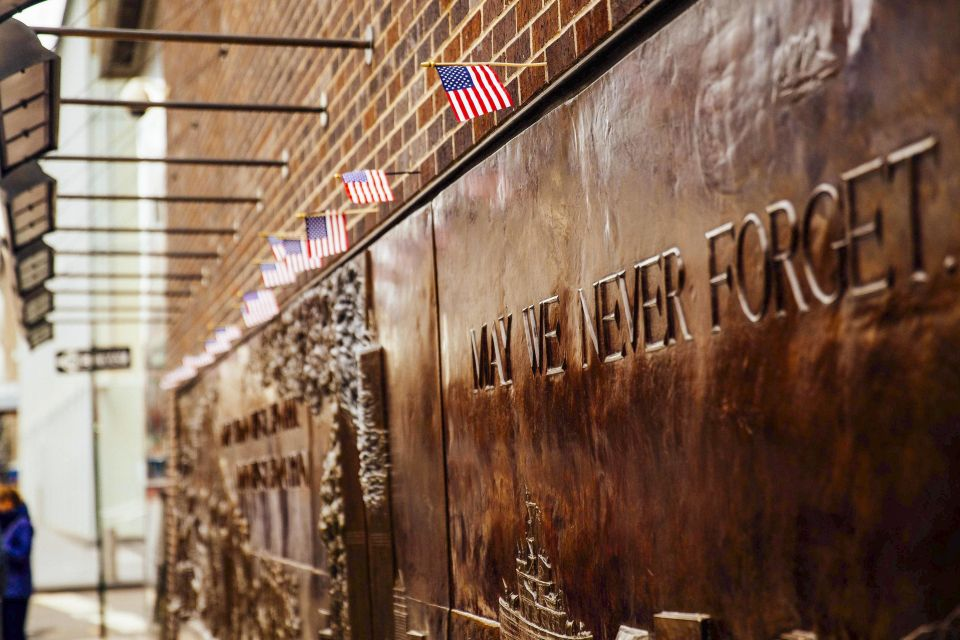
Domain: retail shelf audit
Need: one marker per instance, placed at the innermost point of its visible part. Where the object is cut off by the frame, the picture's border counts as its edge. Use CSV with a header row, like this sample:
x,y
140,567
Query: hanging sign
x,y
76,361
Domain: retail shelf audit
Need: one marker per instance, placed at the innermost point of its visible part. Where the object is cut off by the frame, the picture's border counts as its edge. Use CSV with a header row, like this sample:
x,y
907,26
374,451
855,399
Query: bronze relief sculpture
x,y
537,609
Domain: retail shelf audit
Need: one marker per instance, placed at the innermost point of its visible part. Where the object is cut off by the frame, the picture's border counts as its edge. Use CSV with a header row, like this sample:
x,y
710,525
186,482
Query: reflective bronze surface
x,y
784,461
403,301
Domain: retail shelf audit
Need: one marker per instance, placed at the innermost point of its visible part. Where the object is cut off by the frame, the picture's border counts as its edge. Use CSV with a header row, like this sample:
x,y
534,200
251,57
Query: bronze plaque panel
x,y
706,312
266,459
403,300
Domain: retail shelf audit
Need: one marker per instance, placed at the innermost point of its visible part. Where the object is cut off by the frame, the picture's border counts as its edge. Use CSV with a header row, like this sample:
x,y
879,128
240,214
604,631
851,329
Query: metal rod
x,y
513,65
203,255
133,196
149,35
181,277
93,321
121,292
339,176
215,162
143,105
118,309
170,231
98,500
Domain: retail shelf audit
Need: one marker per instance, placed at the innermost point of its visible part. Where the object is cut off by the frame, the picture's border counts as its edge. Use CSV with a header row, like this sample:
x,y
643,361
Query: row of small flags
x,y
324,235
473,89
221,342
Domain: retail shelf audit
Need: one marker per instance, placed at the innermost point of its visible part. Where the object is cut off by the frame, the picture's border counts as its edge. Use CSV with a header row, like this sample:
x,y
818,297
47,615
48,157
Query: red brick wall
x,y
390,115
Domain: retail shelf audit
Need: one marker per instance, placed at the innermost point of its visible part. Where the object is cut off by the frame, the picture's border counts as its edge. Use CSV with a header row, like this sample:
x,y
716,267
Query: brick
x,y
592,27
444,155
482,126
532,80
492,12
440,100
452,50
440,34
370,117
406,17
458,11
462,138
450,122
570,8
429,17
561,54
425,51
545,27
481,50
409,128
527,11
503,31
396,87
519,49
470,31
435,132
424,113
428,169
386,16
392,36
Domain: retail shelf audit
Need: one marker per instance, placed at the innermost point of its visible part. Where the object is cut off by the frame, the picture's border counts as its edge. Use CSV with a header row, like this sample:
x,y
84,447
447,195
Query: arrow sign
x,y
76,361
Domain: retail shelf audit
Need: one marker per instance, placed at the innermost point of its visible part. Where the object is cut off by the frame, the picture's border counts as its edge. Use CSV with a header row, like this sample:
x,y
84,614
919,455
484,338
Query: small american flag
x,y
365,186
277,274
215,347
195,362
327,234
276,246
473,90
298,259
228,333
259,307
173,378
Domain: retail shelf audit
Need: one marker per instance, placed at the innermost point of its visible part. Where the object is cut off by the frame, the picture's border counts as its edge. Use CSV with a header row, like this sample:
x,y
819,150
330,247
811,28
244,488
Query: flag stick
x,y
430,63
283,235
349,212
338,176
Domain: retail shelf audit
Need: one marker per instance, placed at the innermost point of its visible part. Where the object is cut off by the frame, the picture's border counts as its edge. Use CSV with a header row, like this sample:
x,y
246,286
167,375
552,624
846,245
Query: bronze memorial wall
x,y
681,356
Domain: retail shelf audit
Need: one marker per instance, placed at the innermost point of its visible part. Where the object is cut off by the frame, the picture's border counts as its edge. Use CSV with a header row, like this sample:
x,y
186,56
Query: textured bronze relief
x,y
537,610
245,561
213,571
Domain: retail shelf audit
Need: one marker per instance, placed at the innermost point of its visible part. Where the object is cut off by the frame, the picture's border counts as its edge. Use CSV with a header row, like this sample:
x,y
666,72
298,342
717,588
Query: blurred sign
x,y
93,359
40,333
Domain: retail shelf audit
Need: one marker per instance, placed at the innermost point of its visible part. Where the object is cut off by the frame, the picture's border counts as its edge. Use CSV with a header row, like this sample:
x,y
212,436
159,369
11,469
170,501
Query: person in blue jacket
x,y
16,532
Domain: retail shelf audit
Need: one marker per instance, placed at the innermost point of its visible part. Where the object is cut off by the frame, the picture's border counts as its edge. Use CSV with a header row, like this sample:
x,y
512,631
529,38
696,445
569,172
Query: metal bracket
x,y
325,116
368,52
